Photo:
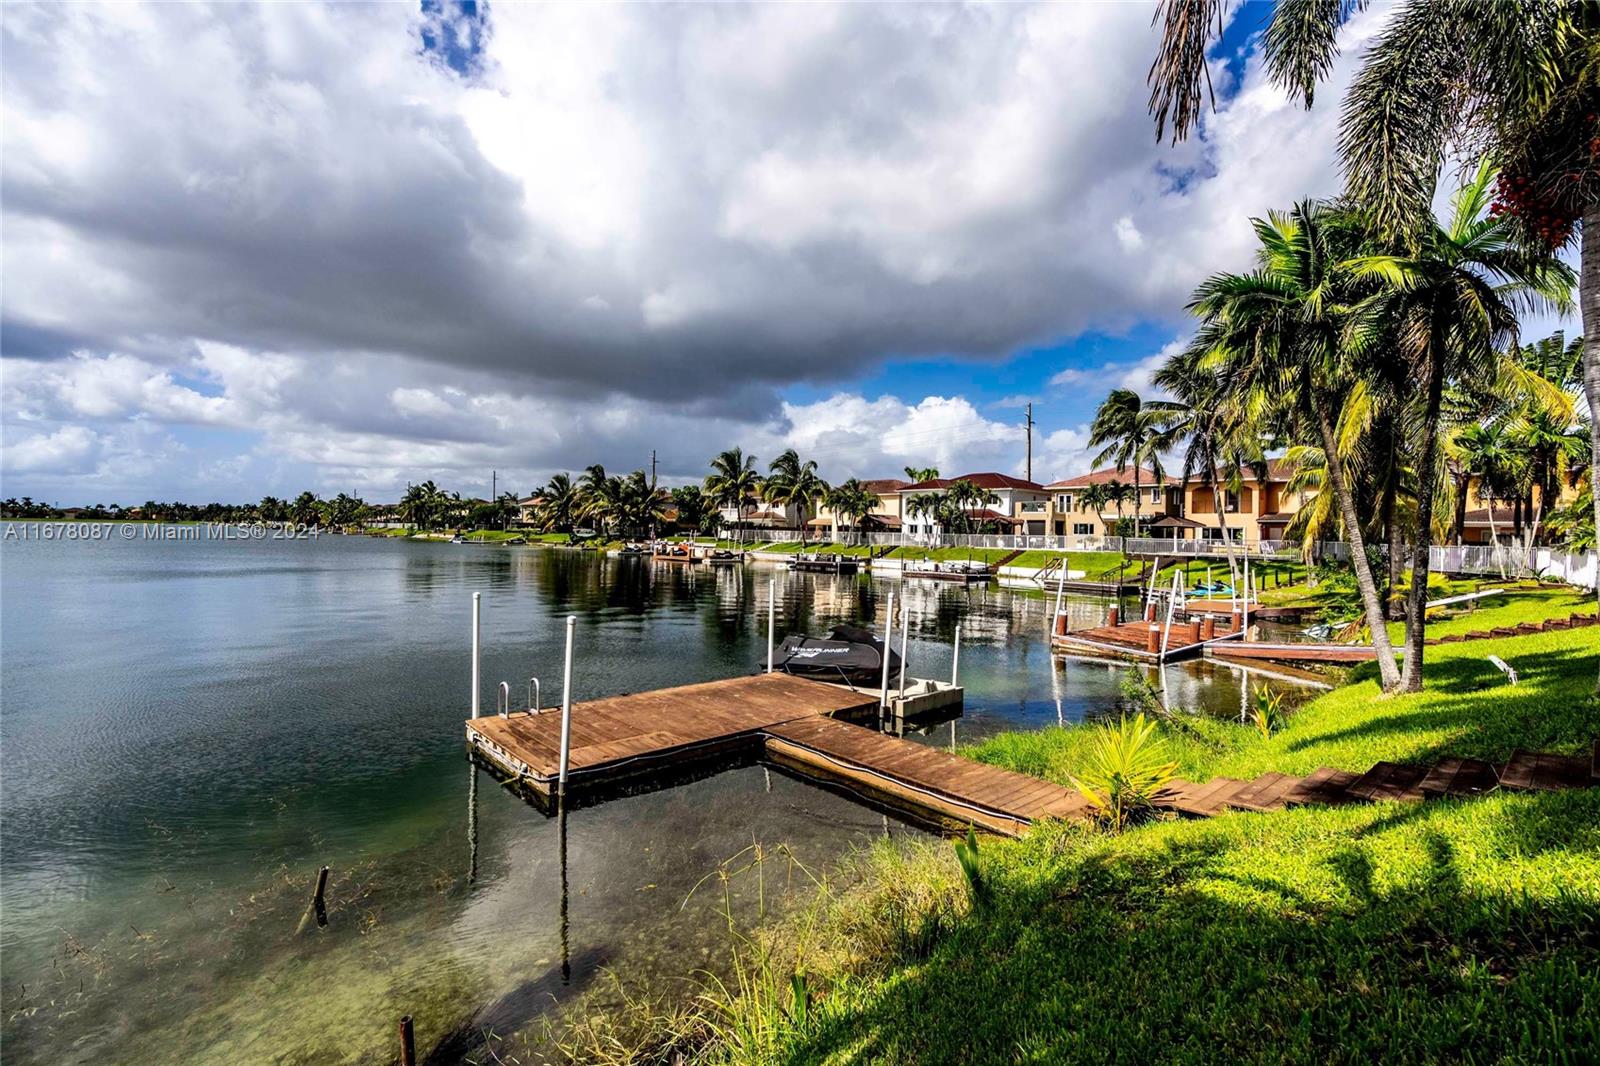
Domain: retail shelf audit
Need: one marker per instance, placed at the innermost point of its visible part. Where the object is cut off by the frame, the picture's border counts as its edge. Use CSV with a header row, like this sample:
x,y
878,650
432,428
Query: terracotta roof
x,y
1111,473
987,480
1174,522
1273,519
1503,516
987,515
885,484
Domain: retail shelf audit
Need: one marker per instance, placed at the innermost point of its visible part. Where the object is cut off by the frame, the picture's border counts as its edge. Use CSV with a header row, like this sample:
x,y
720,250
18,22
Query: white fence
x,y
1581,569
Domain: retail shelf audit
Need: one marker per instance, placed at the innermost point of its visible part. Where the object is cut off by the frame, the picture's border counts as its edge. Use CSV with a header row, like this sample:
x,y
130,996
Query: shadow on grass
x,y
1320,936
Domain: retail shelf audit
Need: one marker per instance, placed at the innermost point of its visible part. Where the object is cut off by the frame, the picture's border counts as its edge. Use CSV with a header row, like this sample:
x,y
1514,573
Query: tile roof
x,y
885,484
986,480
1111,473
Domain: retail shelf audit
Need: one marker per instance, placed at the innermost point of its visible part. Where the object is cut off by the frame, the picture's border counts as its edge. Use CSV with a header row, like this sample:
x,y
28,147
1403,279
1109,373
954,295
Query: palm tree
x,y
734,482
1093,497
558,505
793,483
597,495
924,505
1127,430
1117,495
852,501
1278,335
1202,424
304,510
1482,452
919,474
1451,301
1511,81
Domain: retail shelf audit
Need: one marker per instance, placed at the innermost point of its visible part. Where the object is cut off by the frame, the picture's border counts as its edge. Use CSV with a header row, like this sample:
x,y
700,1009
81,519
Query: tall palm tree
x,y
1127,430
1451,301
1116,494
852,501
792,482
924,505
1201,423
919,474
1483,453
1278,335
597,495
734,482
1513,80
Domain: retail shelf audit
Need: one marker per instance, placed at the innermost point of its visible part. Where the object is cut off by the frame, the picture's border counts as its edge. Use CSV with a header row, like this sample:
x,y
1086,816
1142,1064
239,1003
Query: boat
x,y
674,553
958,571
458,539
825,564
631,549
848,655
723,557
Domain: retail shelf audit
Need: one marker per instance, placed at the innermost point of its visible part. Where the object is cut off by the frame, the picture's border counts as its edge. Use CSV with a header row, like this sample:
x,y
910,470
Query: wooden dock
x,y
914,777
1298,653
1132,640
625,737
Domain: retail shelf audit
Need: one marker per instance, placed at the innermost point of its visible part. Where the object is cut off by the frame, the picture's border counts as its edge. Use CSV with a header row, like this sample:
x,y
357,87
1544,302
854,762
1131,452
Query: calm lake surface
x,y
189,729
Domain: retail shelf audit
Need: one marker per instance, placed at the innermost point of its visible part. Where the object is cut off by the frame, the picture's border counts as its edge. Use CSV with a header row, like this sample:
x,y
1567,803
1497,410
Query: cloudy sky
x,y
340,247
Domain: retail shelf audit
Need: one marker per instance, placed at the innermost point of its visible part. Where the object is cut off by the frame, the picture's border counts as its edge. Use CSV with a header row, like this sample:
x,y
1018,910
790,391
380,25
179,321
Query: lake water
x,y
191,728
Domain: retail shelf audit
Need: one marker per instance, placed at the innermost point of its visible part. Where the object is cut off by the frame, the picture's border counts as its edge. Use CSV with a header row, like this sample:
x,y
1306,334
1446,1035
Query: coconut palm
x,y
1278,338
1117,493
919,474
1451,303
924,505
558,505
1127,430
852,502
1094,497
1514,81
1484,453
734,482
792,482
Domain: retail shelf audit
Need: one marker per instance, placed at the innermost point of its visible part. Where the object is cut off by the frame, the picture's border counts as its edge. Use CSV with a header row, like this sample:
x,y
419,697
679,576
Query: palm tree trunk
x,y
1136,495
1388,674
1427,483
1589,301
1463,486
1222,527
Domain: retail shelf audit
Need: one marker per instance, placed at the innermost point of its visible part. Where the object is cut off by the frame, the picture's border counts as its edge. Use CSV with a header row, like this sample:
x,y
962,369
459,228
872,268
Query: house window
x,y
1155,494
1232,500
1082,529
1064,502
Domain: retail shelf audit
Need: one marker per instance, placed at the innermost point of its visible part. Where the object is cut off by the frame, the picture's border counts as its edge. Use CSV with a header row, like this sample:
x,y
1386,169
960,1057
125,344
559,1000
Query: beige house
x,y
885,517
1023,506
1158,499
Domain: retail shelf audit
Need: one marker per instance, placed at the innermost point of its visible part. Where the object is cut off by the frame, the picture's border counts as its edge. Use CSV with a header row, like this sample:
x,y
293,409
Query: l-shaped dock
x,y
805,726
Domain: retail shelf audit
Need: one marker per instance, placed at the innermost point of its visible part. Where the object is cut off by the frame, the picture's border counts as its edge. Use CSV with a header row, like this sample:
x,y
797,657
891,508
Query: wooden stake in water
x,y
566,703
408,1043
905,635
477,604
772,616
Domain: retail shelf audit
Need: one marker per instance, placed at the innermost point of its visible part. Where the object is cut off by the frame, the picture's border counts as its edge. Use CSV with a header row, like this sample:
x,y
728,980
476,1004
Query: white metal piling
x,y
905,636
888,635
477,605
1055,615
955,658
1244,625
566,702
772,616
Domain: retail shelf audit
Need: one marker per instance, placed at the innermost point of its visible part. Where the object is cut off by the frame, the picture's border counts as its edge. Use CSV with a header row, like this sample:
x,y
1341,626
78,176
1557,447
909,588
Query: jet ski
x,y
848,655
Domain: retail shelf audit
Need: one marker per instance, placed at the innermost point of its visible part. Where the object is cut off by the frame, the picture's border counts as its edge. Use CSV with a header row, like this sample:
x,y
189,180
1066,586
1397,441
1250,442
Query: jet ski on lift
x,y
847,656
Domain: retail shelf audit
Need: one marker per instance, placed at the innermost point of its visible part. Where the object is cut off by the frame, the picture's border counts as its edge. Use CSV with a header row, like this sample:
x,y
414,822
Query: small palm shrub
x,y
967,856
1269,715
1127,766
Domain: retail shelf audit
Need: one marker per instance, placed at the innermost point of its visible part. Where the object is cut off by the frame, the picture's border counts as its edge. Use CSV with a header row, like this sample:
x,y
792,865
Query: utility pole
x,y
652,468
1030,441
652,490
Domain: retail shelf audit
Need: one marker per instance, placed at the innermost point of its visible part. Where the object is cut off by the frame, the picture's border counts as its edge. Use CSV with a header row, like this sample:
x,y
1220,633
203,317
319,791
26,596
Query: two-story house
x,y
1017,505
885,516
1069,514
1260,508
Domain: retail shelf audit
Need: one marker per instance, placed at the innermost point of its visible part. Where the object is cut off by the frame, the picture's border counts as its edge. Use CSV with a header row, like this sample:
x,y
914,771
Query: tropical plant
x,y
792,482
1127,766
852,502
924,505
1513,81
1268,715
559,504
919,474
734,482
1094,497
971,863
1129,431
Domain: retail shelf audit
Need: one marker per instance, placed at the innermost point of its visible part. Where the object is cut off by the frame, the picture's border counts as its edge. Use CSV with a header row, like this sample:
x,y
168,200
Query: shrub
x,y
1127,766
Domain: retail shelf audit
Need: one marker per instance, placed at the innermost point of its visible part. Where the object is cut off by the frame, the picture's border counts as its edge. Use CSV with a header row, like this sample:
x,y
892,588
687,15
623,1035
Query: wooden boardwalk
x,y
1132,640
915,777
625,736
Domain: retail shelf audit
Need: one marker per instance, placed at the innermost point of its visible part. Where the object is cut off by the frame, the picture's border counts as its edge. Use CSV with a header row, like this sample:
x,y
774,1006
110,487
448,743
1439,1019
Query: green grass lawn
x,y
1523,601
1466,709
1437,932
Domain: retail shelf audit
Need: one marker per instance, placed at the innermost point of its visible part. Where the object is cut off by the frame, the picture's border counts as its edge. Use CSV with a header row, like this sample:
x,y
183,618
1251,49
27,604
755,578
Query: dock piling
x,y
888,640
408,1043
477,605
955,658
772,616
566,703
905,636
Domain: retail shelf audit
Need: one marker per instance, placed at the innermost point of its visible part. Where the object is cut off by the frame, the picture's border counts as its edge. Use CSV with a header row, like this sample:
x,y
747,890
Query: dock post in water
x,y
566,703
905,635
772,616
888,640
477,604
955,661
408,1043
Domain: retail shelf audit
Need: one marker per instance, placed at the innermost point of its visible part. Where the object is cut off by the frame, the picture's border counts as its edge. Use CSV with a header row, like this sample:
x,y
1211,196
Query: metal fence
x,y
1575,568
